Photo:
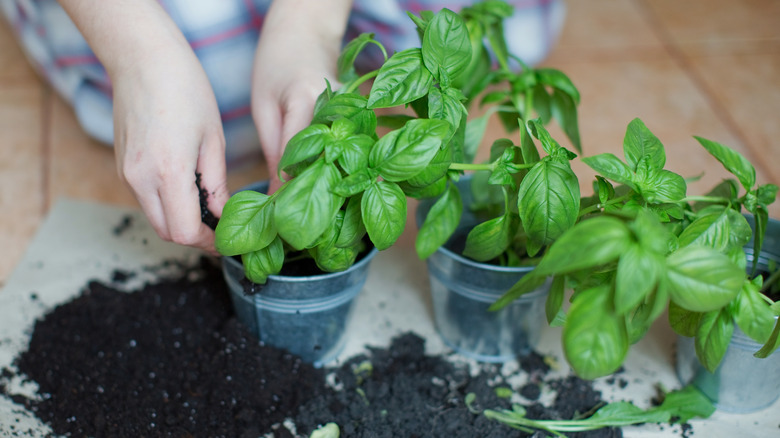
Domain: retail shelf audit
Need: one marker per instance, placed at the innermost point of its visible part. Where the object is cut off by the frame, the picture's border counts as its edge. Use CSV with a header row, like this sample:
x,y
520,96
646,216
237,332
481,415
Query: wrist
x,y
322,22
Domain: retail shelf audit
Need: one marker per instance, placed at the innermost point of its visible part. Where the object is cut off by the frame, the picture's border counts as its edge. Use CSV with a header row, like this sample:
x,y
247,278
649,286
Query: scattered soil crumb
x,y
124,224
206,216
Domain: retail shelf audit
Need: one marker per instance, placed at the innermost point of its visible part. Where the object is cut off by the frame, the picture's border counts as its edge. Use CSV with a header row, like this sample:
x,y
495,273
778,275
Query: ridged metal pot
x,y
742,383
305,315
463,289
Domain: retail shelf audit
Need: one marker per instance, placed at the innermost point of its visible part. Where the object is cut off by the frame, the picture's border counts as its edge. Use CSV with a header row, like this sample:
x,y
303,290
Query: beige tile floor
x,y
698,67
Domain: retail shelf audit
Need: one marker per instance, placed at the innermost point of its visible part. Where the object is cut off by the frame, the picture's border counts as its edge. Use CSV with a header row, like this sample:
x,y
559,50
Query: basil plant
x,y
642,246
348,187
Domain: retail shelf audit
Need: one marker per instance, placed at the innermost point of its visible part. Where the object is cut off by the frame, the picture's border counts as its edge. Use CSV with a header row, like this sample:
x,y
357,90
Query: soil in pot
x,y
170,359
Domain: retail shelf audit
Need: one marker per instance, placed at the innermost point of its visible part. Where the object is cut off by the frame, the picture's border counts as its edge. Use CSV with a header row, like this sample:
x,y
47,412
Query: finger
x,y
146,193
181,206
268,121
149,199
211,166
297,114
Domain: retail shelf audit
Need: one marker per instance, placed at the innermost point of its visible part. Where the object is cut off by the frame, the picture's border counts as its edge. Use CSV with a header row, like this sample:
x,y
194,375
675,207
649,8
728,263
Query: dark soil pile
x,y
404,393
171,360
168,360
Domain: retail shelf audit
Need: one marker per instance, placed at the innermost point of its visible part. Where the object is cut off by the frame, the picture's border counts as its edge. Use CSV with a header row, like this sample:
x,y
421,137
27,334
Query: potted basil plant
x,y
480,231
642,246
346,193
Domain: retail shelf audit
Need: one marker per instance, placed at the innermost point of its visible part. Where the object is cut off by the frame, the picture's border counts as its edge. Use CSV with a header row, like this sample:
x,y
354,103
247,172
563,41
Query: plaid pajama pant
x,y
223,34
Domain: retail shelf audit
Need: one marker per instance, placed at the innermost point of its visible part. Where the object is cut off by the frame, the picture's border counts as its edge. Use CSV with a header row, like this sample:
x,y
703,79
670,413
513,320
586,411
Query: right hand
x,y
297,51
167,127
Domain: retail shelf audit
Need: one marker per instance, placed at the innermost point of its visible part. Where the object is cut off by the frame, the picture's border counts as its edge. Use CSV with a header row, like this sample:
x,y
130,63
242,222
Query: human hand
x,y
167,128
296,53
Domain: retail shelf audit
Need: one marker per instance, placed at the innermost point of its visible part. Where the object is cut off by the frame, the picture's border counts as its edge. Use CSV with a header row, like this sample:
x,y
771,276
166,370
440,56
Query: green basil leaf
x,y
401,79
354,184
558,80
604,189
771,344
421,22
258,265
720,230
686,403
497,40
766,194
527,283
659,186
640,144
591,243
307,205
308,143
624,413
564,110
548,143
429,191
342,128
352,228
683,322
346,62
350,106
246,224
331,258
753,314
442,106
354,153
403,153
435,170
594,338
638,272
393,121
499,147
713,337
446,44
542,103
323,98
475,132
509,118
641,319
761,220
554,304
549,201
383,208
478,74
489,239
732,160
702,279
652,234
611,167
440,222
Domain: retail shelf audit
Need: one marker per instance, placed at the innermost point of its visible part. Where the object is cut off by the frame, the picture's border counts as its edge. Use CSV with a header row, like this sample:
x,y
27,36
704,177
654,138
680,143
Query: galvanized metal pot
x,y
463,290
741,383
305,315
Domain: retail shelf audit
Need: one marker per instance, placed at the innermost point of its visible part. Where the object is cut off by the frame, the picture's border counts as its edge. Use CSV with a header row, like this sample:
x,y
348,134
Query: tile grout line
x,y
713,102
46,130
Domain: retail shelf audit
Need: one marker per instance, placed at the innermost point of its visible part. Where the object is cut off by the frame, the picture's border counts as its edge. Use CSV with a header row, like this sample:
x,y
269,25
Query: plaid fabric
x,y
223,34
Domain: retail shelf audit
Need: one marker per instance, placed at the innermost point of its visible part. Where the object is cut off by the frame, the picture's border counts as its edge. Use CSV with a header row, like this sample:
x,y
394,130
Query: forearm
x,y
307,21
126,34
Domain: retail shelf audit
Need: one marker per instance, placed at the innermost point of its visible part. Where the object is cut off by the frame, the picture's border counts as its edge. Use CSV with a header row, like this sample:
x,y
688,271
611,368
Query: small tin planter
x,y
305,315
463,289
742,383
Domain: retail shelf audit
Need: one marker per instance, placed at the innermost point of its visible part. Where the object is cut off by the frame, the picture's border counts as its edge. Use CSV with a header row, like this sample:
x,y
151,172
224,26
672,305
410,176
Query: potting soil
x,y
170,360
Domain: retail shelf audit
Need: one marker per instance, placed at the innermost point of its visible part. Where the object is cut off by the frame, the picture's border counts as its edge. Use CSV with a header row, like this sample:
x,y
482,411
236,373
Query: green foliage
x,y
638,246
678,407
